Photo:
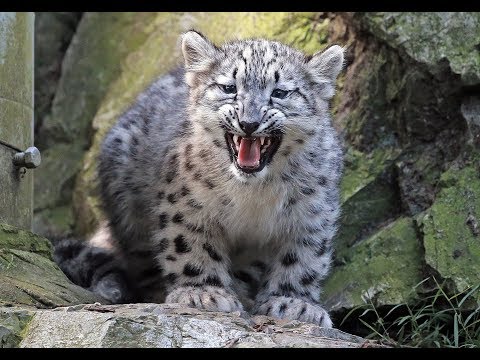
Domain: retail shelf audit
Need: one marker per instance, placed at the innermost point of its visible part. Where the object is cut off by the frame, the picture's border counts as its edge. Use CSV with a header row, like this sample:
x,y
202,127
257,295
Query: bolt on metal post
x,y
29,158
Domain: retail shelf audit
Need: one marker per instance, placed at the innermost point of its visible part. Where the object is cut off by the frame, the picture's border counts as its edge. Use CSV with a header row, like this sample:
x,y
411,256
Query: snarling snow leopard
x,y
220,185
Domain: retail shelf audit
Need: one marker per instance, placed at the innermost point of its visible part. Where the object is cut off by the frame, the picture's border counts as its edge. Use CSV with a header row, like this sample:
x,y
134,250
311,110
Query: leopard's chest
x,y
258,216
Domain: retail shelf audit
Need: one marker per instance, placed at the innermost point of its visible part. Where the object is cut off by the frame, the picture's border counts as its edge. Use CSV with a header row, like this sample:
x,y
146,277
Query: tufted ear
x,y
324,68
198,52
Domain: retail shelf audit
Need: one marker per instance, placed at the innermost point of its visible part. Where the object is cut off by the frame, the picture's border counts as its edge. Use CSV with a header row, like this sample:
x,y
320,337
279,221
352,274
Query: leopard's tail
x,y
98,269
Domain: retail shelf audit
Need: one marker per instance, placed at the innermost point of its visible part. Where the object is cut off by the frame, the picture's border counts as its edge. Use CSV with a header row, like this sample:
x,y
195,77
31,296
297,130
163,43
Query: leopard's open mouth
x,y
251,154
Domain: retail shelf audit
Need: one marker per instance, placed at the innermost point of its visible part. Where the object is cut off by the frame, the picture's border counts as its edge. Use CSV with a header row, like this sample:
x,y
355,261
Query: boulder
x,y
381,270
166,326
12,323
369,197
451,232
432,38
28,275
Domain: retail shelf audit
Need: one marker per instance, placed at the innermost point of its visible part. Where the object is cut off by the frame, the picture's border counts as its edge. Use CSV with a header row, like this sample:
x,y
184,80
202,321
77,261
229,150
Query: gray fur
x,y
170,189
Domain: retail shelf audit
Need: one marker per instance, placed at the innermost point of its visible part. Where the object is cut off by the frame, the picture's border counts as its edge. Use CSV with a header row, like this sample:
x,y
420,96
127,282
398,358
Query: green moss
x,y
305,31
29,276
371,121
450,233
383,269
14,238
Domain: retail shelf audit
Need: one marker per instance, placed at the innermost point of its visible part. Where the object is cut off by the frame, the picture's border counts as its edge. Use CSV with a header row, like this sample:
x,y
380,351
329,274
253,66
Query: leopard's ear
x,y
198,52
324,68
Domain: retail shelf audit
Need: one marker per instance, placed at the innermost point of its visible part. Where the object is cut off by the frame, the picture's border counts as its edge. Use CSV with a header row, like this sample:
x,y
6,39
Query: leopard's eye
x,y
229,89
279,94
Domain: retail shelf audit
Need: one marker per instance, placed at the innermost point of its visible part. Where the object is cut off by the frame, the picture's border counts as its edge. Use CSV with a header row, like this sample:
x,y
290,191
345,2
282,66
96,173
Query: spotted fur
x,y
223,239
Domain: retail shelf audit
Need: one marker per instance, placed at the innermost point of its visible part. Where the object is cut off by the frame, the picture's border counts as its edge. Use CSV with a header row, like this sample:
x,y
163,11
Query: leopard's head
x,y
254,99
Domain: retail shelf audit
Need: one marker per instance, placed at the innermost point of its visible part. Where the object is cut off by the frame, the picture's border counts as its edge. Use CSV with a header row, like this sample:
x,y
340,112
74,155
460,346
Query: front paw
x,y
284,307
206,298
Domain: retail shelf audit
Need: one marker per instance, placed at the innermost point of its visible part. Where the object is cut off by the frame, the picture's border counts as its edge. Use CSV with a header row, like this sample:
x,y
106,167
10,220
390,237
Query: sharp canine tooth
x,y
262,140
235,139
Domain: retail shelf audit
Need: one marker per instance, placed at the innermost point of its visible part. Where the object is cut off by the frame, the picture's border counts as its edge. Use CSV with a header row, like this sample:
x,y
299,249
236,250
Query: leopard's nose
x,y
249,127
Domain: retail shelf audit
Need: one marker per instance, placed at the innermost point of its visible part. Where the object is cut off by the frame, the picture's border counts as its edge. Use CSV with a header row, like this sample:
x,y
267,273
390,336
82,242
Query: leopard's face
x,y
258,97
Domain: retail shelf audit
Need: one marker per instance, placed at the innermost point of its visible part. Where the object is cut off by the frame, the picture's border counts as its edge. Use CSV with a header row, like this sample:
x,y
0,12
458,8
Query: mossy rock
x,y
451,232
392,98
28,276
158,54
363,168
369,197
14,238
418,172
383,270
432,38
13,322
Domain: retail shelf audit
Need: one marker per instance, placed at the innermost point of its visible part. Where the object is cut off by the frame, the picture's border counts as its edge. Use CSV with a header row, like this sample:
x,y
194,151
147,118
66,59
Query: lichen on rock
x,y
369,198
451,232
433,37
13,323
382,270
173,326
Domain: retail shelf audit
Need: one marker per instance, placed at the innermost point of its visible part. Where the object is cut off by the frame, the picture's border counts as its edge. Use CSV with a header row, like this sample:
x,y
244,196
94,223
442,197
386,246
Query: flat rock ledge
x,y
159,326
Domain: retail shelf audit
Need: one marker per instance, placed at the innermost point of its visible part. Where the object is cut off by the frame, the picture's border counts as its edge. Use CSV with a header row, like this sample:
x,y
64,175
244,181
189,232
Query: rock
x,y
389,98
14,238
382,270
53,32
29,276
418,171
12,323
171,326
471,112
369,197
92,61
433,38
450,229
400,112
158,54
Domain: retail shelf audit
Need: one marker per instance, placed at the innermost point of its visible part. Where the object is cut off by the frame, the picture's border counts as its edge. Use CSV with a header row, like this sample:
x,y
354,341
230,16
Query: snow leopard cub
x,y
220,183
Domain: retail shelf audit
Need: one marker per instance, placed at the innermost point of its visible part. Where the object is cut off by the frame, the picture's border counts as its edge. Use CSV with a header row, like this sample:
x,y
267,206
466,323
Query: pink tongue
x,y
249,153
